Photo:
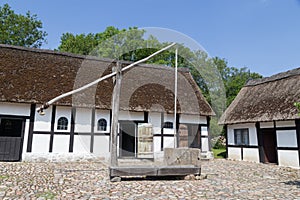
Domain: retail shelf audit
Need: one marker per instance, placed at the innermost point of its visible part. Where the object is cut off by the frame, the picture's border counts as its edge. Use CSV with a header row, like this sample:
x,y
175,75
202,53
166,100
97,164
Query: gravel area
x,y
225,180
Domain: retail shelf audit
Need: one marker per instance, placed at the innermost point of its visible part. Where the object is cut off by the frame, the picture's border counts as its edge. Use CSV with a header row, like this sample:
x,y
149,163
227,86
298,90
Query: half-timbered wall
x,y
286,141
82,135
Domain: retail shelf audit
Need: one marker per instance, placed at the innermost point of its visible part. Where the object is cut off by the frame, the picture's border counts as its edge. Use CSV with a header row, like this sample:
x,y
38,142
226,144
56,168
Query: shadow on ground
x,y
297,183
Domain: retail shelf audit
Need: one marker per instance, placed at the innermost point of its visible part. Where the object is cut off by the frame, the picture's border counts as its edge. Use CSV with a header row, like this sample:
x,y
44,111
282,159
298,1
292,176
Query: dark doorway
x,y
269,145
194,138
127,139
11,138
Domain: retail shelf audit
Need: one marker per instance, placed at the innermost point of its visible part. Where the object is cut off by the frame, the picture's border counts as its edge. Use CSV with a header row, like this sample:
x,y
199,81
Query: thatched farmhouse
x,y
81,124
262,122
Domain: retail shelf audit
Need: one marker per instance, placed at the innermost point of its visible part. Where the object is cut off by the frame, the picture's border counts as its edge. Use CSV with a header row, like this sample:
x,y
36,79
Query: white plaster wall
x,y
192,119
63,111
289,123
83,120
168,118
61,143
82,143
105,114
234,153
101,145
15,109
155,120
127,115
288,158
252,132
251,154
157,143
266,125
204,131
168,142
40,143
204,144
25,140
286,138
43,122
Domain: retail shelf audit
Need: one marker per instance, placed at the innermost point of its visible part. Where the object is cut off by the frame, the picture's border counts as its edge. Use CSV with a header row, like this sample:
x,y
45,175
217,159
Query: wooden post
x,y
115,115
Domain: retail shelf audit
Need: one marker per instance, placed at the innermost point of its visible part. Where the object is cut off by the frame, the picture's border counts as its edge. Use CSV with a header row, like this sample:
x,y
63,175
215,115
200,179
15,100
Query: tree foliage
x,y
21,30
218,82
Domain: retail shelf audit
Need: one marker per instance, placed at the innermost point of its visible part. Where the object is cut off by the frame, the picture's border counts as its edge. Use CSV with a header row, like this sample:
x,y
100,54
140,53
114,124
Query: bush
x,y
220,143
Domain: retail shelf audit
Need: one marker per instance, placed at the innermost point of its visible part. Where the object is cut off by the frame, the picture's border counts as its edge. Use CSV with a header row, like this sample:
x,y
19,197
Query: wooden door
x,y
11,138
269,145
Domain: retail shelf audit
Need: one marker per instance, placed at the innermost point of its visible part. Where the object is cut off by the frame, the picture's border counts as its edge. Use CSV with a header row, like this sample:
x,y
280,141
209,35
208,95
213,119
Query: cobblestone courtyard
x,y
225,180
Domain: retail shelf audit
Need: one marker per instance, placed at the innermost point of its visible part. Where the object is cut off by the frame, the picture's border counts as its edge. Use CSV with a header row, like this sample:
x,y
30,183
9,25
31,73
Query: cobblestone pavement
x,y
225,180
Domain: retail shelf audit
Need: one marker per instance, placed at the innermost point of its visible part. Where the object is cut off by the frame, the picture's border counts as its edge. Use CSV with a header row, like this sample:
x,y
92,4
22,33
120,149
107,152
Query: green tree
x,y
21,30
215,79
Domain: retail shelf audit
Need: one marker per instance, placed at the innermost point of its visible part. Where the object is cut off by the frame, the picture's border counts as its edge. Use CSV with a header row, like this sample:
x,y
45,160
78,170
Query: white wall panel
x,y
127,115
61,143
251,154
63,111
168,142
82,143
234,153
43,122
155,120
40,143
157,143
289,123
204,131
286,138
266,125
204,144
25,140
99,114
15,109
192,119
288,158
83,120
101,145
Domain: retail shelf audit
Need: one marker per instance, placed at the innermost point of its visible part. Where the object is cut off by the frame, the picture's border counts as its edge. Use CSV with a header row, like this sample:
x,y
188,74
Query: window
x,y
102,125
168,125
62,123
241,136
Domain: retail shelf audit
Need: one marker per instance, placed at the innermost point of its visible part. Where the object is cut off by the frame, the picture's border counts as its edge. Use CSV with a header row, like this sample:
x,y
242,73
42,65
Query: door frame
x,y
23,119
262,144
135,122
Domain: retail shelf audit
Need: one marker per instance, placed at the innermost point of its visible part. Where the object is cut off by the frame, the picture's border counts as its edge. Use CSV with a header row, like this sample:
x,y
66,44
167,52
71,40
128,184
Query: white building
x,y
80,125
262,123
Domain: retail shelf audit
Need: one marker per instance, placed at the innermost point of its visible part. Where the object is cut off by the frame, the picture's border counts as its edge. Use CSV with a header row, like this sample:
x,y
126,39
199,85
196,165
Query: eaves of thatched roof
x,y
35,76
266,99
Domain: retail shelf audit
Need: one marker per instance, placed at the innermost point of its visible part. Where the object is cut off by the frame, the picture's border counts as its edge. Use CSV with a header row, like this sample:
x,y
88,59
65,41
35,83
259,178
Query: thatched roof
x,y
36,76
266,99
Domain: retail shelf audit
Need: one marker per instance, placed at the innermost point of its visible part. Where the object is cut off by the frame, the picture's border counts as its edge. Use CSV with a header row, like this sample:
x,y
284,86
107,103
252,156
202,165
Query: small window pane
x,y
102,125
241,136
168,125
62,123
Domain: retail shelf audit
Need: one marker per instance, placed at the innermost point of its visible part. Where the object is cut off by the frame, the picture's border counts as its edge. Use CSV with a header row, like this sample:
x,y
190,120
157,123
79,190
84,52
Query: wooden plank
x,y
115,115
154,171
178,171
133,171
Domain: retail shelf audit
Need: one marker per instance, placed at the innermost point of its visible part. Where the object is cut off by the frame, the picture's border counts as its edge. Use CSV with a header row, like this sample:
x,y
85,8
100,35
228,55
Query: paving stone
x,y
224,179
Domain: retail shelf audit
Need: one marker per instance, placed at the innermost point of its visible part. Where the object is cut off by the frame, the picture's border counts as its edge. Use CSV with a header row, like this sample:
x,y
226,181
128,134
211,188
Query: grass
x,y
219,153
46,195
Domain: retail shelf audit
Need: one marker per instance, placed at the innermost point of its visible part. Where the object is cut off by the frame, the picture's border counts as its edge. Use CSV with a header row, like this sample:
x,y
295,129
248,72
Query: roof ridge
x,y
88,57
275,77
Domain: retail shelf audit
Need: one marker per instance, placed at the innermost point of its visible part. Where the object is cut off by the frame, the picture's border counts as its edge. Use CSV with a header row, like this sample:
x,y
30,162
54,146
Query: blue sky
x,y
263,35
